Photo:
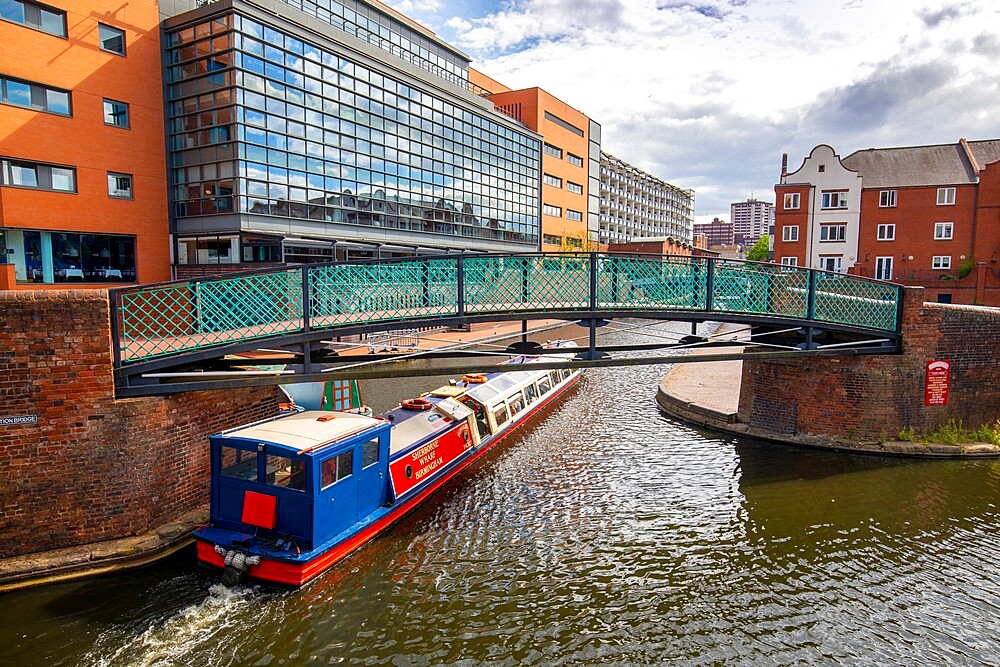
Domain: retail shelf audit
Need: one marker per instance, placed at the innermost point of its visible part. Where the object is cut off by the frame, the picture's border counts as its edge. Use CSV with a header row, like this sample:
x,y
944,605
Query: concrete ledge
x,y
92,559
677,407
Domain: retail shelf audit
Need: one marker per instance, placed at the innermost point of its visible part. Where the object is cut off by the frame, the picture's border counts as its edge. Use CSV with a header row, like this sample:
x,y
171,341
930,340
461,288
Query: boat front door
x,y
337,501
374,472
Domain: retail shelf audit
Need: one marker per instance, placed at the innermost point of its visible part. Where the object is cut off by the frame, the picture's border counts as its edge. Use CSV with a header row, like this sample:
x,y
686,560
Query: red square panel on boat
x,y
258,509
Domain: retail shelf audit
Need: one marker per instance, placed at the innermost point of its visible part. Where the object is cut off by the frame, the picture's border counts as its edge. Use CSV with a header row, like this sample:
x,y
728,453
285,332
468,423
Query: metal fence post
x,y
710,284
460,287
305,299
593,281
811,296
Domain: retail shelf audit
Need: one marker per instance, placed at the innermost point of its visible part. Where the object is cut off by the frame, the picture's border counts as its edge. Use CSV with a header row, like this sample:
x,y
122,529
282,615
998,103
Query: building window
x,y
946,197
942,231
789,261
549,209
575,188
883,268
791,201
34,16
553,151
576,216
573,242
551,239
939,262
886,233
116,113
790,233
22,174
832,232
112,39
887,198
836,199
336,468
67,257
119,185
574,160
833,263
34,95
552,180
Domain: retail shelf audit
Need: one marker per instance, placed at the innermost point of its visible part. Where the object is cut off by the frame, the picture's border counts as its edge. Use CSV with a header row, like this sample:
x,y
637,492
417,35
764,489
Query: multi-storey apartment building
x,y
921,215
314,130
717,232
83,196
570,160
635,205
751,220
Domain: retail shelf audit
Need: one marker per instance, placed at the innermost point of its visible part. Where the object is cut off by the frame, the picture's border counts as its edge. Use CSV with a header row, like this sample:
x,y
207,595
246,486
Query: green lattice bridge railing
x,y
185,316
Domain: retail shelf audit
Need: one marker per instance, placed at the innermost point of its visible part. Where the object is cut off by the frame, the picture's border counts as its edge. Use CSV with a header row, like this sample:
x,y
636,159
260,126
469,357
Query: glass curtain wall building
x,y
319,129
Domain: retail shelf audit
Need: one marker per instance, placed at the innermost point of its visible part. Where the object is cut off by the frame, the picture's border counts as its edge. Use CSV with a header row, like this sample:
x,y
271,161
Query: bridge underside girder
x,y
312,356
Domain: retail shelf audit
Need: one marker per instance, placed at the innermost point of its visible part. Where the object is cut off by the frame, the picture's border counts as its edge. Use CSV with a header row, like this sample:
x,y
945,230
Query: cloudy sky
x,y
708,94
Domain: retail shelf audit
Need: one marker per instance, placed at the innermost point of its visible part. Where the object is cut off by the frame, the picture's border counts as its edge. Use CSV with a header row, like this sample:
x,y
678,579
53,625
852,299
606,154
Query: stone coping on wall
x,y
724,422
87,560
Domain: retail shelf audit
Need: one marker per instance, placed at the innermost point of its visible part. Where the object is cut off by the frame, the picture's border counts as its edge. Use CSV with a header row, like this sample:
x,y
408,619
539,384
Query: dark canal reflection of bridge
x,y
604,534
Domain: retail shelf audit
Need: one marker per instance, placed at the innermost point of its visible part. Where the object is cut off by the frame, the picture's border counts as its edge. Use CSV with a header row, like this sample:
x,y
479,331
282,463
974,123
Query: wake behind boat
x,y
293,495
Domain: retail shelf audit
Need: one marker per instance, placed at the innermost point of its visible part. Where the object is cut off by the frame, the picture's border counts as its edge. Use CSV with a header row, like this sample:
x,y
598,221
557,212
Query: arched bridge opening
x,y
181,335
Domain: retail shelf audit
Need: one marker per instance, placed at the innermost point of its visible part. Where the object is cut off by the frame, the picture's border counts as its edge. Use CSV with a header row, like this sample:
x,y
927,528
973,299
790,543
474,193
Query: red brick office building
x,y
917,215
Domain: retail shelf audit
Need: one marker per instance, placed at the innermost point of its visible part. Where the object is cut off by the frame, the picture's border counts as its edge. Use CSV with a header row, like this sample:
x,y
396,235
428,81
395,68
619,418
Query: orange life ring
x,y
474,378
416,404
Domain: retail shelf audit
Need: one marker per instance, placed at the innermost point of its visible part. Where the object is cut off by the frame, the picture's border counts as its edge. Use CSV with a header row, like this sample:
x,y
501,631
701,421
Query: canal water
x,y
604,534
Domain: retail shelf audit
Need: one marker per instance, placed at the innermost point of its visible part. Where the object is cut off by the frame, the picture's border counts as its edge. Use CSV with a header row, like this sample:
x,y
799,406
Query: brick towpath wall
x,y
93,468
871,398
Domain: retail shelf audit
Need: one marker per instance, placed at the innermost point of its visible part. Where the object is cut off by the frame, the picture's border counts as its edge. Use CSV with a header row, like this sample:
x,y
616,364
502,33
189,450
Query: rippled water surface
x,y
603,534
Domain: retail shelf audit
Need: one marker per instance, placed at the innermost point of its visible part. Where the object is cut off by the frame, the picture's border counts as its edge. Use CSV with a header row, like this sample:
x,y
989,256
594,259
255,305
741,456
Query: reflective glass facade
x,y
264,123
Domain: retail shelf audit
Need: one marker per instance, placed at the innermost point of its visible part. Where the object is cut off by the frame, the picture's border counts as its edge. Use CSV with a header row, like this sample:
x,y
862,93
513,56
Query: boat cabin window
x,y
554,376
544,385
369,453
500,414
516,403
566,373
286,472
337,467
530,393
238,463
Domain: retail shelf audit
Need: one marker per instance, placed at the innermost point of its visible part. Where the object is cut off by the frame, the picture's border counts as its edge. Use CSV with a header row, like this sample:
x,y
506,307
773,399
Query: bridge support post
x,y
460,286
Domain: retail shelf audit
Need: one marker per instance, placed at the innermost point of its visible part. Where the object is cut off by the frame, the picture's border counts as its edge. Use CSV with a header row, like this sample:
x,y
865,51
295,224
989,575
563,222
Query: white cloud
x,y
708,94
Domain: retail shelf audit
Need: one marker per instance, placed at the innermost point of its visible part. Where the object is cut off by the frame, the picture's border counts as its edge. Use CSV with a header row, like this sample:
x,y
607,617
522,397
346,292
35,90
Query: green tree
x,y
758,253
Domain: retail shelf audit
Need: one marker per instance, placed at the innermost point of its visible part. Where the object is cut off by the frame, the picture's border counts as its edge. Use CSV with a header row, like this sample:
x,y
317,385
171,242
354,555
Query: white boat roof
x,y
304,430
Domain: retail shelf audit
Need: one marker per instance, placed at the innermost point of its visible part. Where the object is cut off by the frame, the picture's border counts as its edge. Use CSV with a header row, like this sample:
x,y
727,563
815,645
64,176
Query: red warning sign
x,y
936,384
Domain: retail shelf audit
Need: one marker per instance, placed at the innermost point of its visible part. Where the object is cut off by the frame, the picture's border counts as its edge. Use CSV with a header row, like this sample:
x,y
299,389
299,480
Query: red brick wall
x,y
94,468
783,218
874,397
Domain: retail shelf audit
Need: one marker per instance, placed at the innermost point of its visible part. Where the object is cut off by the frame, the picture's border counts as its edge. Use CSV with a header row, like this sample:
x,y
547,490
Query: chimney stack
x,y
784,164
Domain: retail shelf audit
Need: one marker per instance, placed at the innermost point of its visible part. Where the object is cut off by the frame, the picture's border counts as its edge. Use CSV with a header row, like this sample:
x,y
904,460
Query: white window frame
x,y
575,188
946,197
887,198
554,211
838,263
944,231
834,199
790,233
553,181
886,232
792,201
883,268
789,261
839,236
941,262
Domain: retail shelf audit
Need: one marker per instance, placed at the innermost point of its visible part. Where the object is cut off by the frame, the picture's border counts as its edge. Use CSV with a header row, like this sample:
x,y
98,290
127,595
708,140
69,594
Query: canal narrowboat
x,y
293,495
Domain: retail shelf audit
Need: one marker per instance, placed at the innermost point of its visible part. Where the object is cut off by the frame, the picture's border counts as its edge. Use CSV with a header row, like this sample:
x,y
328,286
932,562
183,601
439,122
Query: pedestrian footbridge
x,y
164,331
